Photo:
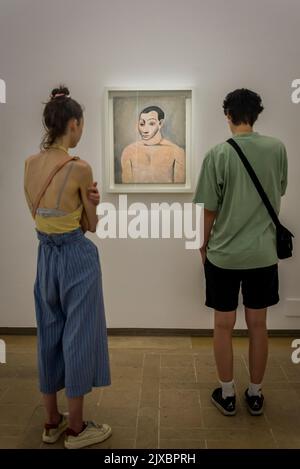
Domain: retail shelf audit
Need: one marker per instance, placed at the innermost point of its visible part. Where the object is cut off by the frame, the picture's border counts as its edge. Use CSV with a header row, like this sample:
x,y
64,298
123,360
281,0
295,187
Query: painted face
x,y
149,125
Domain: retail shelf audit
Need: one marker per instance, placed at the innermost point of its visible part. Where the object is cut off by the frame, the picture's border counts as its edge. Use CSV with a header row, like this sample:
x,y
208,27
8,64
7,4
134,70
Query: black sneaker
x,y
227,405
254,403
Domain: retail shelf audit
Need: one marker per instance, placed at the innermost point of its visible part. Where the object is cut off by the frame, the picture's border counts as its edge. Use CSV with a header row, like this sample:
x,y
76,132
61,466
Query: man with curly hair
x,y
239,247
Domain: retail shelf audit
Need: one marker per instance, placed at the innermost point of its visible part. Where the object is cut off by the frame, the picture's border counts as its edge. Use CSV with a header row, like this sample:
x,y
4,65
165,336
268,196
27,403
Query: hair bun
x,y
60,92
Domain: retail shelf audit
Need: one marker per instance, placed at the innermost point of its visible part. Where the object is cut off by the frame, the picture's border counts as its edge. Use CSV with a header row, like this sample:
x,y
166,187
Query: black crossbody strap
x,y
256,182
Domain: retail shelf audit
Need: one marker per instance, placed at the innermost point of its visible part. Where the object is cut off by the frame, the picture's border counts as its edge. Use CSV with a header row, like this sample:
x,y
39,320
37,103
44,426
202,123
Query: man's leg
x,y
260,290
222,290
224,397
258,354
258,343
224,324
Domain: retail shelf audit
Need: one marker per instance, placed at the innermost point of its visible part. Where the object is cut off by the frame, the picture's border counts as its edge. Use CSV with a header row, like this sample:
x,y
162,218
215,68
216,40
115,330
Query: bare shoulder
x,y
80,163
82,169
129,151
168,143
176,149
32,158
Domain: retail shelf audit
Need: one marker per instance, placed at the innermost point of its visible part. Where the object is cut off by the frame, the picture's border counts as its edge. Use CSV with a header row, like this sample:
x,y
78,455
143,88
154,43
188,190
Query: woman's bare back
x,y
63,191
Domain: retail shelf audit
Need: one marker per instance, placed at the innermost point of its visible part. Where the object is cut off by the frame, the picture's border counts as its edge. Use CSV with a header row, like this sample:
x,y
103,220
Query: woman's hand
x,y
93,194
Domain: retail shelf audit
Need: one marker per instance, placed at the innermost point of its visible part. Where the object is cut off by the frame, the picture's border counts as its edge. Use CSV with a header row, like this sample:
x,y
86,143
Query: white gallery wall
x,y
214,46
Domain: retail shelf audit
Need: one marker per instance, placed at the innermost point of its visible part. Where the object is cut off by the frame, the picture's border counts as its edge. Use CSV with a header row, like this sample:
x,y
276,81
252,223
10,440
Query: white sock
x,y
254,389
227,389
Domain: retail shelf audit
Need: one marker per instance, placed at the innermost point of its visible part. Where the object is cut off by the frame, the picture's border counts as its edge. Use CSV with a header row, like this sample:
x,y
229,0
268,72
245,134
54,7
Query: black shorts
x,y
259,287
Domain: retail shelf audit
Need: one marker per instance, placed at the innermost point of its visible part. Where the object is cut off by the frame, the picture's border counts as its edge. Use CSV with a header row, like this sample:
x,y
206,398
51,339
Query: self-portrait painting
x,y
149,140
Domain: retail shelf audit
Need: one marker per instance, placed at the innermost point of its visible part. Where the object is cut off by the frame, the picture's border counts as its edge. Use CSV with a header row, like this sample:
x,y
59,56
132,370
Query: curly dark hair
x,y
57,113
243,106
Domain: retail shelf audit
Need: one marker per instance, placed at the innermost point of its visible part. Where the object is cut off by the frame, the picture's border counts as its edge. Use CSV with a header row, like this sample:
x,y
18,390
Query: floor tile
x,y
213,418
177,360
182,444
113,397
146,342
178,375
240,444
180,399
153,377
117,416
9,442
15,414
170,417
149,396
147,428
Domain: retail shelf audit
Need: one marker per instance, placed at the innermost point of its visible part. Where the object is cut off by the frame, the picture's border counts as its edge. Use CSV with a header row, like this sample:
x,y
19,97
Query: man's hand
x,y
93,194
209,219
203,253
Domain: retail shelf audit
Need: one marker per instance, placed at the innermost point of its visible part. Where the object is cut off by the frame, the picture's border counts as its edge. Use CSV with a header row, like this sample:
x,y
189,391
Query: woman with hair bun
x,y
71,324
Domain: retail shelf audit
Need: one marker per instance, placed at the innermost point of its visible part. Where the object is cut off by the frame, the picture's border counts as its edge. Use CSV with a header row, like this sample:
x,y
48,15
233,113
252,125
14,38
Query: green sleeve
x,y
208,190
284,170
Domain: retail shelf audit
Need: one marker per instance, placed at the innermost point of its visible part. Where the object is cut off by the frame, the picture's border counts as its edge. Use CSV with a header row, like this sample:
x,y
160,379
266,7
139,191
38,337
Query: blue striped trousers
x,y
71,324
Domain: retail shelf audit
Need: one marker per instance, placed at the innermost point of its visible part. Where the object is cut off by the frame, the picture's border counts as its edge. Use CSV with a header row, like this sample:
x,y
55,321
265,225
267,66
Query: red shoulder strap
x,y
47,182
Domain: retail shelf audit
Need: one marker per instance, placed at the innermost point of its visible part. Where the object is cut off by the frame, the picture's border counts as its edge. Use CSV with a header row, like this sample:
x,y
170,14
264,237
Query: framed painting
x,y
148,140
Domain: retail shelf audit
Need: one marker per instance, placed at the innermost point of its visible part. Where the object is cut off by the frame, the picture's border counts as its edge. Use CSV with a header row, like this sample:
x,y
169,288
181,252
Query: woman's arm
x,y
93,194
28,200
90,218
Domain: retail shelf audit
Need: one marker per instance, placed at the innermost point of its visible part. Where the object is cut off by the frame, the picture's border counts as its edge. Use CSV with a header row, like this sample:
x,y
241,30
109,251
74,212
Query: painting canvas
x,y
149,140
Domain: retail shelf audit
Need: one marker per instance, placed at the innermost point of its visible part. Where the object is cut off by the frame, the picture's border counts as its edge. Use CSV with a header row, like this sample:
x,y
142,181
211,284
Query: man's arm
x,y
209,219
284,171
209,193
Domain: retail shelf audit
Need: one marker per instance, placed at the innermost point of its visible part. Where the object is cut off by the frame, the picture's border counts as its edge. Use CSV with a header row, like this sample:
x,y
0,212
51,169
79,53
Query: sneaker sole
x,y
91,441
51,440
254,412
222,410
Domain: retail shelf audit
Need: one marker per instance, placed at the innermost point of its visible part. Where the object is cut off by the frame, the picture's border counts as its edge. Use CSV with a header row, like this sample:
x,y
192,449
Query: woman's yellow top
x,y
55,220
47,222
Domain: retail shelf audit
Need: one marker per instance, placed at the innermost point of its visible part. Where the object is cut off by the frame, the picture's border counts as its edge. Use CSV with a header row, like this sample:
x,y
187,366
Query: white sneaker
x,y
92,434
51,435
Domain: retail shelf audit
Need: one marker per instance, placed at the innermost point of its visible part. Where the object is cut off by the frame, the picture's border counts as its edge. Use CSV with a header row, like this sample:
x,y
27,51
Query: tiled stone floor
x,y
159,397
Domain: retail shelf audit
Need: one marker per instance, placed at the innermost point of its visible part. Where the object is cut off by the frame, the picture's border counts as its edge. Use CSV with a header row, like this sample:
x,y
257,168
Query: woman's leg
x,y
224,324
50,325
53,415
75,405
85,348
84,339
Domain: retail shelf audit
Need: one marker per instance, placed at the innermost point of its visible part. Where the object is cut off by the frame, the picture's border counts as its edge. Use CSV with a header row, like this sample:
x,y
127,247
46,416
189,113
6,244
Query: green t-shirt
x,y
243,235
